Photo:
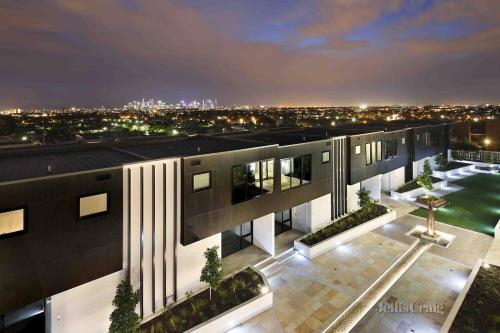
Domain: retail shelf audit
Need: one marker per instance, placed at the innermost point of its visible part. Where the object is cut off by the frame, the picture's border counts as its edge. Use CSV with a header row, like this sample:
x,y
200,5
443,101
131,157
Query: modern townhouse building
x,y
77,219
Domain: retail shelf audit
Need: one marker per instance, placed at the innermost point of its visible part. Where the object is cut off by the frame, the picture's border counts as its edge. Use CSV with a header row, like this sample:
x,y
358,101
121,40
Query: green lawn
x,y
476,207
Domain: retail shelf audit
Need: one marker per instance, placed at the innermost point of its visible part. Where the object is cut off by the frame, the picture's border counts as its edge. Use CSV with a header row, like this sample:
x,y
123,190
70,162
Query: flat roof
x,y
17,164
44,161
188,146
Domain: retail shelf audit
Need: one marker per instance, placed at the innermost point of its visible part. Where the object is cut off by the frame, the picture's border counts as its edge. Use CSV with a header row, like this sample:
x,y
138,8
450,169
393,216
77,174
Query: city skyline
x,y
319,53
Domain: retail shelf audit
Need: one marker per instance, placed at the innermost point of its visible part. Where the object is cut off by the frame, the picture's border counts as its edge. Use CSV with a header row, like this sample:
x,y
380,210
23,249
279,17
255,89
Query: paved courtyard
x,y
310,294
432,281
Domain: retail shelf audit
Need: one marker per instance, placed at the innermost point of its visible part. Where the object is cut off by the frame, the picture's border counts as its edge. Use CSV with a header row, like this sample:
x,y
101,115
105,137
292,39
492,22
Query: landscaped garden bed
x,y
413,185
197,310
412,189
480,310
453,165
344,230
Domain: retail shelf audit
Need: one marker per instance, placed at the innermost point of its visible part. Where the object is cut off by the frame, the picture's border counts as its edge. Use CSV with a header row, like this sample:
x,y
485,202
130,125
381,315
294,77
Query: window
x,y
368,154
12,221
202,181
296,171
391,149
325,156
403,141
93,205
267,176
357,150
379,150
252,180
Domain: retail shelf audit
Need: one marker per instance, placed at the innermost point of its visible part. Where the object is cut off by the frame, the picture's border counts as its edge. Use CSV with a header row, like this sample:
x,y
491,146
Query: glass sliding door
x,y
282,221
237,238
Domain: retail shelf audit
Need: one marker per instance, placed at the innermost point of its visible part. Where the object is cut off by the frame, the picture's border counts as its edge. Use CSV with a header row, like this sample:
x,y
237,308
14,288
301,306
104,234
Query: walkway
x,y
354,313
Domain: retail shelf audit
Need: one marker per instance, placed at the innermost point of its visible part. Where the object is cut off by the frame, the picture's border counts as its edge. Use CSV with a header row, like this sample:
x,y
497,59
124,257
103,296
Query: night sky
x,y
275,52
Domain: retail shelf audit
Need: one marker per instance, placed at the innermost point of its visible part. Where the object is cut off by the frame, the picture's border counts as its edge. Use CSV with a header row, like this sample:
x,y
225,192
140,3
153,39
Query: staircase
x,y
271,266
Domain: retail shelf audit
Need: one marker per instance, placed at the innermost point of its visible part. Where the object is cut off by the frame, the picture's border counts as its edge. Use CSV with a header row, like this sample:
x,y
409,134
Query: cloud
x,y
93,52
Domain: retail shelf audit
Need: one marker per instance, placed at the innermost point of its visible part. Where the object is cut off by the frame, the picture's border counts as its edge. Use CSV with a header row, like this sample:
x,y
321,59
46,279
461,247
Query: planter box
x,y
232,318
418,191
497,229
457,171
344,237
237,315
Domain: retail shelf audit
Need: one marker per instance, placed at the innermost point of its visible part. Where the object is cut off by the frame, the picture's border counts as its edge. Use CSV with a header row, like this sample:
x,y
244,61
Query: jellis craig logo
x,y
399,307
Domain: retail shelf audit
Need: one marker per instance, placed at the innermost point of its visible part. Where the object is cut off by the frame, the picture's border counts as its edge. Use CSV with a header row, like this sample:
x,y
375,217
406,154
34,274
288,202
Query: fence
x,y
477,156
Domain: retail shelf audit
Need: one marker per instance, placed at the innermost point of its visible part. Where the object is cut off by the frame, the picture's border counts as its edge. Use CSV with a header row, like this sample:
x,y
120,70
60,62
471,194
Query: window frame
x,y
91,216
368,153
25,221
356,152
329,157
193,190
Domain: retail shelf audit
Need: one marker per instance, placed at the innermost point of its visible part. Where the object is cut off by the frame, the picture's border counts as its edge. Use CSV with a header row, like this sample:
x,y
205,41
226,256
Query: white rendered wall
x,y
190,261
263,233
392,180
321,211
352,197
86,308
418,166
301,217
373,185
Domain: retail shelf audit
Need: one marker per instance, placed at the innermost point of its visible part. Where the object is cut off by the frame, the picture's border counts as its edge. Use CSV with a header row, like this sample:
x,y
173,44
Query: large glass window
x,y
391,149
92,205
12,221
306,169
379,150
368,152
202,181
267,176
252,180
286,167
296,171
239,184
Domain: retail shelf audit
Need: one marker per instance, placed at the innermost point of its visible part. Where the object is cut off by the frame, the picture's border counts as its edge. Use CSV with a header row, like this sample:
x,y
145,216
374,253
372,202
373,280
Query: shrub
x,y
124,319
441,160
364,198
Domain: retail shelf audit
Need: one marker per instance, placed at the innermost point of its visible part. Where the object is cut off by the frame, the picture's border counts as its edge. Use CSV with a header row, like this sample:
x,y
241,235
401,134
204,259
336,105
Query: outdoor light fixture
x,y
487,141
486,265
264,290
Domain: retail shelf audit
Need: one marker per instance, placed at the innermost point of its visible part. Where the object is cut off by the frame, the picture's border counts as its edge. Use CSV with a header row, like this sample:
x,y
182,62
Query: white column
x,y
263,233
352,197
321,211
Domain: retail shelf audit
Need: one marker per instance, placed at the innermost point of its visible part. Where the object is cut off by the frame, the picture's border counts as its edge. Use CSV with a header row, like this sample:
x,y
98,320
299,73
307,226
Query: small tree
x,y
212,272
425,179
124,319
488,158
364,198
442,161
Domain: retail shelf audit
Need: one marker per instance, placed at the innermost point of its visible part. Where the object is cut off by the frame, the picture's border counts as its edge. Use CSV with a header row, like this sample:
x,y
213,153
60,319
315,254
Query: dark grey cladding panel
x,y
441,131
359,171
209,212
58,252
